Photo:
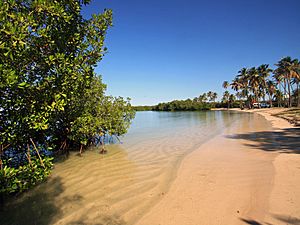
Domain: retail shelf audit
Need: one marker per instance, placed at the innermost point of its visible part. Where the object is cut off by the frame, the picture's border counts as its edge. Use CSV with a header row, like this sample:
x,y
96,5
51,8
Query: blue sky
x,y
161,50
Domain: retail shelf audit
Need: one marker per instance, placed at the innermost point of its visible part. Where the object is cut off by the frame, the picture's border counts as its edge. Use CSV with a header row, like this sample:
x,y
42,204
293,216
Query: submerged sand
x,y
250,174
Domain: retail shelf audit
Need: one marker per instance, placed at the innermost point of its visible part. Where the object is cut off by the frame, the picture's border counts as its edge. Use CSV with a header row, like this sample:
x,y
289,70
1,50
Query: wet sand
x,y
250,174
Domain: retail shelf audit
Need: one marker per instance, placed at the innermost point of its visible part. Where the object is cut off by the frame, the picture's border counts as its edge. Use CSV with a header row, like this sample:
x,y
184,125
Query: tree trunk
x,y
279,99
255,96
270,100
103,151
64,147
248,101
289,93
285,92
37,151
80,151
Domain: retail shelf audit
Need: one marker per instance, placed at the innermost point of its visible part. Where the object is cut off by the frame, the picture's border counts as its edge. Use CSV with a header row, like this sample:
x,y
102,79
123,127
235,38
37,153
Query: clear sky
x,y
161,50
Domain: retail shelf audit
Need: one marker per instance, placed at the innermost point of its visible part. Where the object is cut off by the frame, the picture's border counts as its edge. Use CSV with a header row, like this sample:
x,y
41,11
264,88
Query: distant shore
x,y
250,174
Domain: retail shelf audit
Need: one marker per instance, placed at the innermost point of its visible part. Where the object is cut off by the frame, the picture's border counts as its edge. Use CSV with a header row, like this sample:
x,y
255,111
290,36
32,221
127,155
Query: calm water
x,y
156,125
118,188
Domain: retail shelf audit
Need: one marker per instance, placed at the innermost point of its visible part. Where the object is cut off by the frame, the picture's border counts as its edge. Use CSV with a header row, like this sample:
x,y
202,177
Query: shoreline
x,y
240,184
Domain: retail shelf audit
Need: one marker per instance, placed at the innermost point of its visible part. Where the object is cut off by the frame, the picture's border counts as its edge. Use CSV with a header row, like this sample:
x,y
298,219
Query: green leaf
x,y
22,85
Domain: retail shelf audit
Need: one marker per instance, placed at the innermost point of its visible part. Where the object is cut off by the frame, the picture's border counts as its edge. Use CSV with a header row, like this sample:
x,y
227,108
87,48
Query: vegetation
x,y
205,101
183,105
20,178
51,99
143,108
257,84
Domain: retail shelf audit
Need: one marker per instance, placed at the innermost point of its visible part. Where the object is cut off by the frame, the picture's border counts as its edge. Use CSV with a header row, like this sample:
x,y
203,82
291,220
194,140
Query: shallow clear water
x,y
119,187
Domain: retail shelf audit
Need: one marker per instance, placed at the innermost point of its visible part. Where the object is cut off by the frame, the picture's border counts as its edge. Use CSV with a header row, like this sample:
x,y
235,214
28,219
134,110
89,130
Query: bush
x,y
14,180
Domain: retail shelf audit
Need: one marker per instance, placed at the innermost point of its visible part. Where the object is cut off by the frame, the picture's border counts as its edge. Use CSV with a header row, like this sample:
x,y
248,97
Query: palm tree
x,y
239,96
296,78
278,97
210,96
254,81
236,84
202,98
270,90
286,70
281,81
231,99
214,96
225,98
225,84
297,90
243,80
264,72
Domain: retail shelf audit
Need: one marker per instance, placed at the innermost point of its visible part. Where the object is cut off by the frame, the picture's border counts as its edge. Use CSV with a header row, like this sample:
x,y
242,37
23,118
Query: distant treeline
x,y
205,101
176,105
184,105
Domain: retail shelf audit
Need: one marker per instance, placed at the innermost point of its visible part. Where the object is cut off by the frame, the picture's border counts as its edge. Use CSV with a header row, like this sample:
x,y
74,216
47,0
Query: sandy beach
x,y
215,168
250,174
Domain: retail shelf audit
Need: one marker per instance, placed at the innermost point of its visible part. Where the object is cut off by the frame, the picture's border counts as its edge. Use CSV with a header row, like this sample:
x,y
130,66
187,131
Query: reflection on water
x,y
118,188
154,125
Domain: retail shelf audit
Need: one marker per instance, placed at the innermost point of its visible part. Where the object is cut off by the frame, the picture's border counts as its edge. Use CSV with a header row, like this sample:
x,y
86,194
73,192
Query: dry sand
x,y
248,175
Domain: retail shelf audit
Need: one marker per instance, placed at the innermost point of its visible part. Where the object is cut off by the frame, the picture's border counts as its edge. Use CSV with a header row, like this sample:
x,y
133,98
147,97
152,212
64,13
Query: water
x,y
118,188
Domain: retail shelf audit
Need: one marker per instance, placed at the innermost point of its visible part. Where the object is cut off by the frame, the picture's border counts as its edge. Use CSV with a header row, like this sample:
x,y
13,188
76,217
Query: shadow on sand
x,y
251,222
284,141
36,207
103,220
286,219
